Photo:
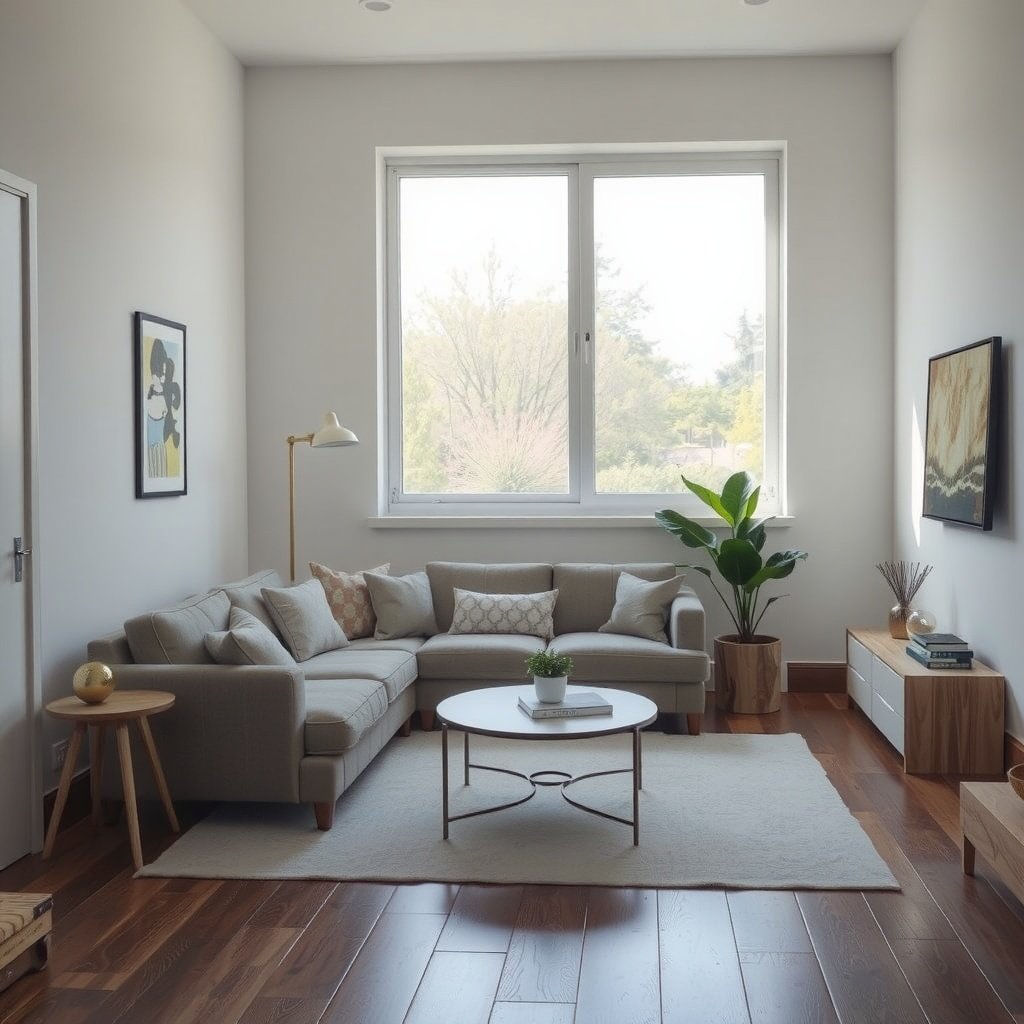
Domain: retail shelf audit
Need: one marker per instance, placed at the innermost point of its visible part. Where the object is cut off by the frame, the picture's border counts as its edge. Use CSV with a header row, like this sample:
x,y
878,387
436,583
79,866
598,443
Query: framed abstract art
x,y
960,441
160,427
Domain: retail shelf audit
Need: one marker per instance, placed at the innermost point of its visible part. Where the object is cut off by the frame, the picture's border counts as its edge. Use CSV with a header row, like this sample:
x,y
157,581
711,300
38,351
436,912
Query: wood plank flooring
x,y
946,949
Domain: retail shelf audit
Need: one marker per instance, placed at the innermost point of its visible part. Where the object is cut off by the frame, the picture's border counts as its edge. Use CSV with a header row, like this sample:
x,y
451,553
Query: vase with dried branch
x,y
905,579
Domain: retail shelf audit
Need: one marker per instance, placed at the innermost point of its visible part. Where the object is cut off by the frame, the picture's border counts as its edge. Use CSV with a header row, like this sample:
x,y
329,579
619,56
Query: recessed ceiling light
x,y
378,5
755,3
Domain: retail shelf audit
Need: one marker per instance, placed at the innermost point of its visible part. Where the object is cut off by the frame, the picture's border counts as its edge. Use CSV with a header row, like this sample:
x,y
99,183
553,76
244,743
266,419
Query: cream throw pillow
x,y
349,598
524,614
246,641
304,620
403,605
641,608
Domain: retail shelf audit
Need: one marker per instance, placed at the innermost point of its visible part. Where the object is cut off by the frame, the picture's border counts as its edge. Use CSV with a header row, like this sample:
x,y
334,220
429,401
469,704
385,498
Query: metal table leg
x,y
636,787
444,777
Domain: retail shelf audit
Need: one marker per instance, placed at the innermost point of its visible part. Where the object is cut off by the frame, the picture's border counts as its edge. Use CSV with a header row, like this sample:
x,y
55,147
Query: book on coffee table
x,y
574,705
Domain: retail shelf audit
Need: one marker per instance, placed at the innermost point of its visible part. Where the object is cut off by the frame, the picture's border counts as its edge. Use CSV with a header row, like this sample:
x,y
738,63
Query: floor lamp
x,y
331,435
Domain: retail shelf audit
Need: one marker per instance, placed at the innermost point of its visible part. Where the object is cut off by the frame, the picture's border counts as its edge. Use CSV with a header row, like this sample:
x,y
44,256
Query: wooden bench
x,y
26,919
992,821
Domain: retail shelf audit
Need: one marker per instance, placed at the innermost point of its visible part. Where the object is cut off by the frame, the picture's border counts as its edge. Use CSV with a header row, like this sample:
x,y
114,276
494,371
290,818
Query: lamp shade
x,y
332,434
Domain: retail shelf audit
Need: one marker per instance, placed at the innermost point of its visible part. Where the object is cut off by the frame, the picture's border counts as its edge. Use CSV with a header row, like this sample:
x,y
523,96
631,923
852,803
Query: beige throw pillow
x,y
349,598
524,614
304,620
246,641
641,608
403,605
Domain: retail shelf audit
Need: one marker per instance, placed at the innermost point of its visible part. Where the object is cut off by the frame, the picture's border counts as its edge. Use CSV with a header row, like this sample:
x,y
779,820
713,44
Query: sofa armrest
x,y
686,621
235,732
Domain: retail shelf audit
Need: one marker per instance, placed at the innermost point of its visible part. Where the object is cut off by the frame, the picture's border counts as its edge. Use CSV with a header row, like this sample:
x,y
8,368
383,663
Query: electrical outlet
x,y
58,755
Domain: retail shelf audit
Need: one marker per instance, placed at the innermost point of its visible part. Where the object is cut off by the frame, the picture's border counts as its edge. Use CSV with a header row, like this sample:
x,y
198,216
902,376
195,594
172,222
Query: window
x,y
570,336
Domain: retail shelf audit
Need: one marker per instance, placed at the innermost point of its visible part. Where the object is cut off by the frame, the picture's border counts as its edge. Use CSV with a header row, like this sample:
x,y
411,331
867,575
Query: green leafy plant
x,y
548,664
737,557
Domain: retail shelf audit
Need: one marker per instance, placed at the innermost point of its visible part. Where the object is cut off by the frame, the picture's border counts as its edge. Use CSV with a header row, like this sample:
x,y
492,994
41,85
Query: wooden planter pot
x,y
748,677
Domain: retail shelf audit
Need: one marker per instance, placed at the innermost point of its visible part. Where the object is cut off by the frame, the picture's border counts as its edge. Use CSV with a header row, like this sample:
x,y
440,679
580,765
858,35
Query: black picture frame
x,y
961,434
159,361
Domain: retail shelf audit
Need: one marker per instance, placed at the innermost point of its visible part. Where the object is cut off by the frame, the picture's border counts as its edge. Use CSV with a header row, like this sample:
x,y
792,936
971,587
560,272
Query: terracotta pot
x,y
748,676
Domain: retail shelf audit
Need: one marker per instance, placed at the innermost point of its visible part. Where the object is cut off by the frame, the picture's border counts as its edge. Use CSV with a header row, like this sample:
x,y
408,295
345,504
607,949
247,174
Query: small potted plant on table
x,y
550,671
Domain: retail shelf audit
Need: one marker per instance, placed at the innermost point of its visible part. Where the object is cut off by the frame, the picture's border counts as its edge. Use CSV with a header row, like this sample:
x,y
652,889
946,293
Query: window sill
x,y
454,522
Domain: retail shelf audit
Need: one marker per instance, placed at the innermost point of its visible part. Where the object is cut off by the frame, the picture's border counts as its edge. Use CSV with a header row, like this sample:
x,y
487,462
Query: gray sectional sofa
x,y
304,733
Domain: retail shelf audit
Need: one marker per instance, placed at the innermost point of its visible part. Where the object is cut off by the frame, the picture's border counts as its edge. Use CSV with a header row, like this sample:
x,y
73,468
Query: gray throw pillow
x,y
641,608
304,620
403,605
246,641
525,614
250,601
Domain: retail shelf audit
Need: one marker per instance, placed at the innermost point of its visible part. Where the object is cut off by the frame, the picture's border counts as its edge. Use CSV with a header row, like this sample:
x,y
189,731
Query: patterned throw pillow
x,y
525,614
349,598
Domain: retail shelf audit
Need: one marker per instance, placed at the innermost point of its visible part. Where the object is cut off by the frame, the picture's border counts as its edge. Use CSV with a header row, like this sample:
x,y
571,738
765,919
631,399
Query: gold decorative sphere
x,y
93,682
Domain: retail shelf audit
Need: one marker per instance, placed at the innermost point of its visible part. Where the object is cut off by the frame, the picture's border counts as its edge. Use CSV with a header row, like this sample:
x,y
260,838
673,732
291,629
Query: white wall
x,y
311,295
960,256
128,117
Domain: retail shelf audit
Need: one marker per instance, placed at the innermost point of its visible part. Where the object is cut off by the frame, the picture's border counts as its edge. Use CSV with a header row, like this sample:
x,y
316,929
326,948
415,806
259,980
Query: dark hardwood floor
x,y
947,949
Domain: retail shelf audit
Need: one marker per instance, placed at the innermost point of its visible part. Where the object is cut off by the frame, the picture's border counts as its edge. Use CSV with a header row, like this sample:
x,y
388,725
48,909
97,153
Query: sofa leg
x,y
405,729
324,811
427,720
693,722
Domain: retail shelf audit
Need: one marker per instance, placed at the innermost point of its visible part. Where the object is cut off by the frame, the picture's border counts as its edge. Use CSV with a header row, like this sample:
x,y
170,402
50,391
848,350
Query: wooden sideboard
x,y
940,720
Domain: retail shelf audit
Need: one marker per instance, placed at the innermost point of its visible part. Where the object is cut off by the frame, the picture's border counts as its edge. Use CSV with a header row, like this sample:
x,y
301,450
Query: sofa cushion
x,y
586,592
409,644
395,669
610,658
526,614
246,642
304,620
340,711
246,594
174,636
402,605
349,598
512,578
641,608
477,656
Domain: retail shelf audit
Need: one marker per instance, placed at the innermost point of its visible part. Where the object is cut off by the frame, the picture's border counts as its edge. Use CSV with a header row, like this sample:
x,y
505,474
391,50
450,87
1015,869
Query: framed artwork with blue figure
x,y
159,351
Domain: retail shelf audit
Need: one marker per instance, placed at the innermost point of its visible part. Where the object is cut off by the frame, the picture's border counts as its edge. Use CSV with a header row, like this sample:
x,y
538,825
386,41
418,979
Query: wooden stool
x,y
117,710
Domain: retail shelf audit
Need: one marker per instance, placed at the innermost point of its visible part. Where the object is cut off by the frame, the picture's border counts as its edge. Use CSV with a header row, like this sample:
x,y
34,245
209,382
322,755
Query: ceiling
x,y
340,31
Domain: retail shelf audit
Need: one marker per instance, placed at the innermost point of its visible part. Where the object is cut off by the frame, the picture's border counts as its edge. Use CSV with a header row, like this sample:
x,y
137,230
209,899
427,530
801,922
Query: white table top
x,y
494,711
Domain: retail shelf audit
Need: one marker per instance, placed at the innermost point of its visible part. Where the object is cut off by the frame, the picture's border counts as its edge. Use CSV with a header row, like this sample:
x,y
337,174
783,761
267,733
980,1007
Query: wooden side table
x,y
118,710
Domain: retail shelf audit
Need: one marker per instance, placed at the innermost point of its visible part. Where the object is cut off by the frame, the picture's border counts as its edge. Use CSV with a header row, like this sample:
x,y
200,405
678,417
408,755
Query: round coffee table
x,y
495,712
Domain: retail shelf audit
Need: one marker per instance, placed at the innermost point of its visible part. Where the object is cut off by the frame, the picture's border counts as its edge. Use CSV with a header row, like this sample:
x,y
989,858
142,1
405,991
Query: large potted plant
x,y
747,663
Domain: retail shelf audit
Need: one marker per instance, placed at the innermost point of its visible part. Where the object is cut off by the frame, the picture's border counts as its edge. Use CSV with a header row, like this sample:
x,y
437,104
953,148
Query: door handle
x,y
20,553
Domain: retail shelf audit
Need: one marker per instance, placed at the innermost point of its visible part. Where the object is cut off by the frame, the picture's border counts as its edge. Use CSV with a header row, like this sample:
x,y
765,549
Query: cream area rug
x,y
742,811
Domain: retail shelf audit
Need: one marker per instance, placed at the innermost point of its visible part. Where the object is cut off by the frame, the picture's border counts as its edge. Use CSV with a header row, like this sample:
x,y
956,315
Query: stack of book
x,y
940,650
574,705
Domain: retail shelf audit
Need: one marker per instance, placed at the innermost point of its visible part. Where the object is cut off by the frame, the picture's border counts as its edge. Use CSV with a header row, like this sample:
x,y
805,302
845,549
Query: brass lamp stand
x,y
331,435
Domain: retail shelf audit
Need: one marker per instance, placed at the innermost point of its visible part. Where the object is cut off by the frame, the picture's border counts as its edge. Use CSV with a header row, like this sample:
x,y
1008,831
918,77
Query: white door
x,y
18,774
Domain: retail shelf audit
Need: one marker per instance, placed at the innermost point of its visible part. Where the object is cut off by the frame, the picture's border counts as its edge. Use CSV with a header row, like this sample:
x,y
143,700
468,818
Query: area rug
x,y
740,811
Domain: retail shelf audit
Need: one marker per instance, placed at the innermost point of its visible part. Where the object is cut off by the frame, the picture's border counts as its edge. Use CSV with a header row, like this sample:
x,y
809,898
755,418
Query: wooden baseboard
x,y
79,803
1014,751
816,677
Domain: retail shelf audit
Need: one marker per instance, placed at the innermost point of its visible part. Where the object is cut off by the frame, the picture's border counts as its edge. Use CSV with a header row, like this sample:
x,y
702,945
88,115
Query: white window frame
x,y
582,498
